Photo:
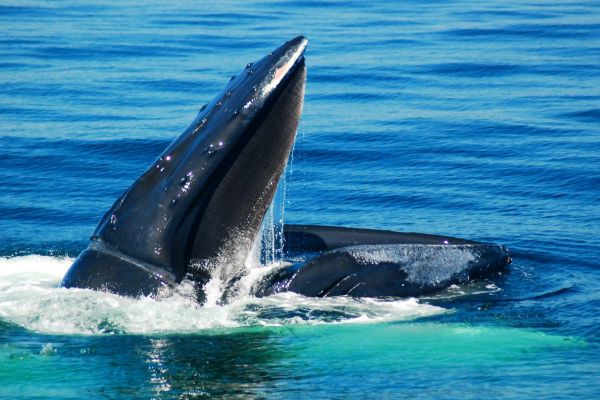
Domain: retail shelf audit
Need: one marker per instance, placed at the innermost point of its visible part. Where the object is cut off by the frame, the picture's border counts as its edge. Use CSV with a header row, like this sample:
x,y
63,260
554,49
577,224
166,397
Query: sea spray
x,y
31,297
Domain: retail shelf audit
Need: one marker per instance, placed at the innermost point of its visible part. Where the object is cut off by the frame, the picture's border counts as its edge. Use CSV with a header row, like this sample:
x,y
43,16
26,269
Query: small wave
x,y
31,297
592,115
475,70
522,31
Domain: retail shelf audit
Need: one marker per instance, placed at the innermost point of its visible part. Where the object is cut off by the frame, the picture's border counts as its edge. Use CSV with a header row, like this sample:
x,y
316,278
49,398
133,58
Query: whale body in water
x,y
197,210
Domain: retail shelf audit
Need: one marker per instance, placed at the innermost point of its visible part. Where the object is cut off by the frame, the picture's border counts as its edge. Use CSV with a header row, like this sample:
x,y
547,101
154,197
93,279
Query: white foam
x,y
423,264
31,297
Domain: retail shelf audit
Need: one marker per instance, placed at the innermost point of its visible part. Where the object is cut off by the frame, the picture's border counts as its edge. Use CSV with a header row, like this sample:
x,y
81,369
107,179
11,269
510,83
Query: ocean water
x,y
474,119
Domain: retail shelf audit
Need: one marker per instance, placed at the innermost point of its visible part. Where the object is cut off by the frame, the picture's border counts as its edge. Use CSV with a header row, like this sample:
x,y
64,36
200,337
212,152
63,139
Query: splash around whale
x,y
197,210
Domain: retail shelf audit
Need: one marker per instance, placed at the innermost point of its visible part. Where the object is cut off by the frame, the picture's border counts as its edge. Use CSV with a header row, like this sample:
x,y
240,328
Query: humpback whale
x,y
197,209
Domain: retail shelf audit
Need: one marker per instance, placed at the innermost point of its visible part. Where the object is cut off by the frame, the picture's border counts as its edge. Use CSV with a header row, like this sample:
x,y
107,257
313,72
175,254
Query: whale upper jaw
x,y
205,196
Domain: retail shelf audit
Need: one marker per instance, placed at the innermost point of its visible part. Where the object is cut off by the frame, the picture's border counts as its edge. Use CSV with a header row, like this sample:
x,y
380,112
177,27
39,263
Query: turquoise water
x,y
474,119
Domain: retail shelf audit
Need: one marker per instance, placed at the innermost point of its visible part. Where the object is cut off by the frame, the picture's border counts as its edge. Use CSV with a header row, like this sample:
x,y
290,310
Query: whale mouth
x,y
231,156
205,196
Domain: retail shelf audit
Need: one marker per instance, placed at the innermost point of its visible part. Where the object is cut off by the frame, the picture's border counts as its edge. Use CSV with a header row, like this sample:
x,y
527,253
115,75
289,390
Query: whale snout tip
x,y
282,63
300,42
296,47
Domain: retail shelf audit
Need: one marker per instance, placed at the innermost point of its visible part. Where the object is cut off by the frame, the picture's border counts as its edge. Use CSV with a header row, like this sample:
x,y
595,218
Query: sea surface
x,y
473,119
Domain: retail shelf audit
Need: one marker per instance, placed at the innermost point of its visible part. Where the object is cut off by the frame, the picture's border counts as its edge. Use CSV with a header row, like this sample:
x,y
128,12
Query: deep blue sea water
x,y
473,119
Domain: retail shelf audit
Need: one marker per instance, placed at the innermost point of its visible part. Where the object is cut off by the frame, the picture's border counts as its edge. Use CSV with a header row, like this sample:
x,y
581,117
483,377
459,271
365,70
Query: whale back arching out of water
x,y
198,209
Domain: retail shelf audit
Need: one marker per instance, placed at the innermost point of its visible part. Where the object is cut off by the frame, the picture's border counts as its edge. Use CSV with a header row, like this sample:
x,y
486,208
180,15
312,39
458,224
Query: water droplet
x,y
183,181
254,88
248,65
209,149
168,158
232,78
219,104
113,219
203,107
173,202
48,350
228,94
270,53
251,72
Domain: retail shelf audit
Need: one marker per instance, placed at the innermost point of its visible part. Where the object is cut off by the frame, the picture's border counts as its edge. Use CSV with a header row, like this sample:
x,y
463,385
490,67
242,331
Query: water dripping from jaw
x,y
265,252
267,243
270,249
